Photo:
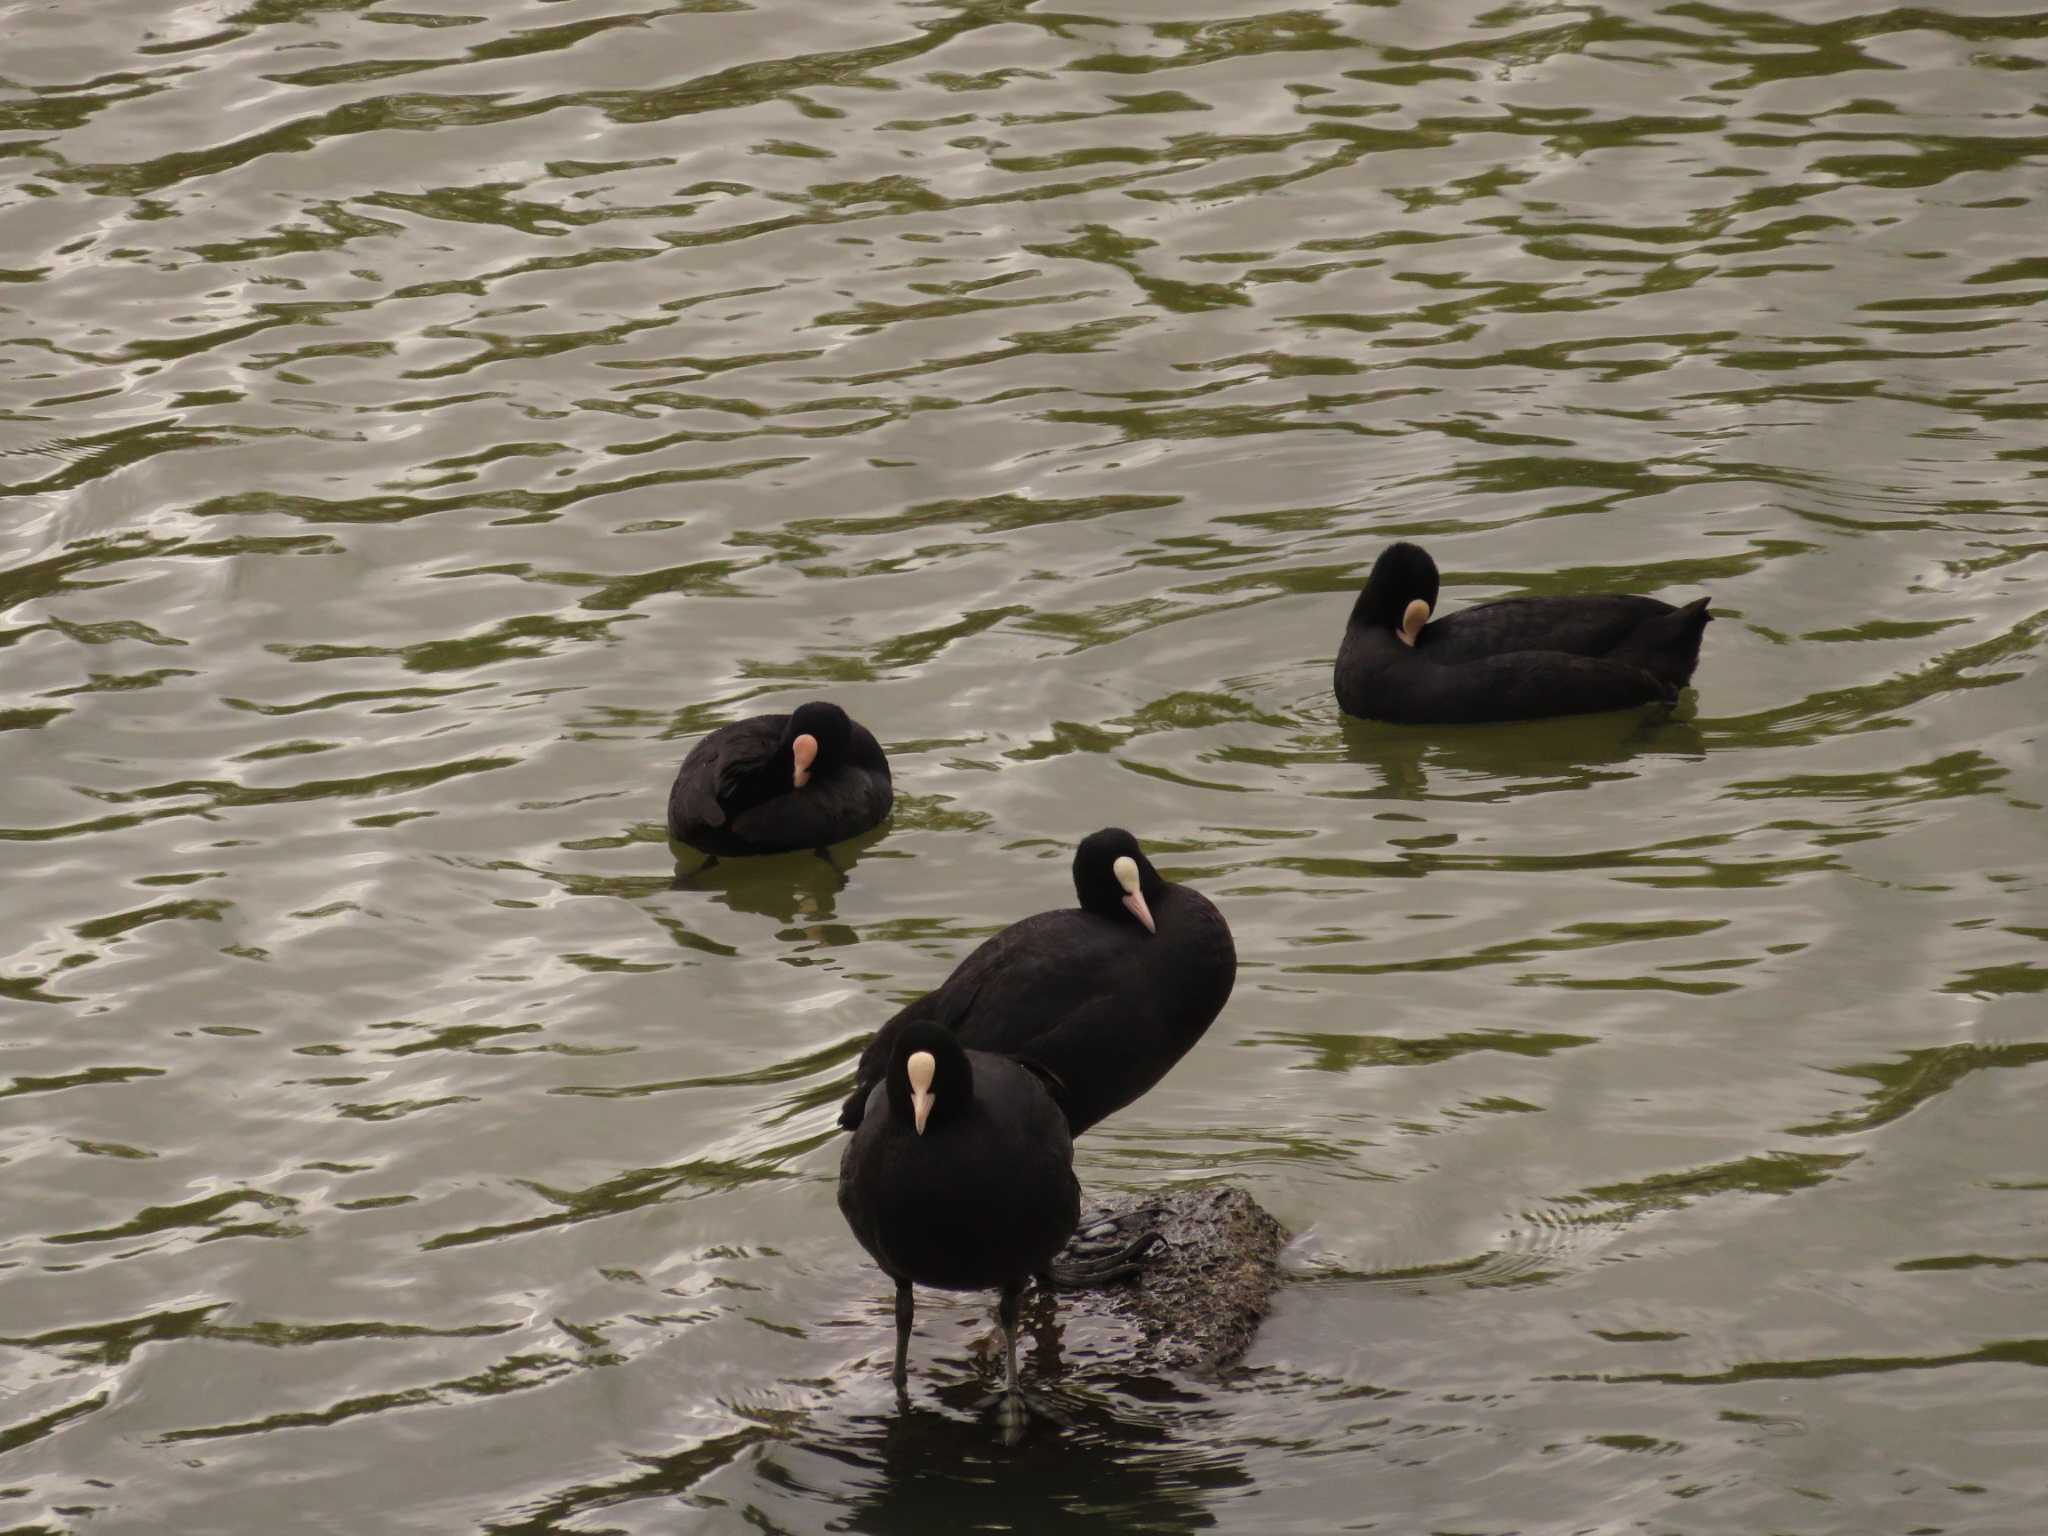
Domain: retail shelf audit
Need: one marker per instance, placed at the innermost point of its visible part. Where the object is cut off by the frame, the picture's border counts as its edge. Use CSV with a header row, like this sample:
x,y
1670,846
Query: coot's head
x,y
1400,594
819,735
1113,877
929,1081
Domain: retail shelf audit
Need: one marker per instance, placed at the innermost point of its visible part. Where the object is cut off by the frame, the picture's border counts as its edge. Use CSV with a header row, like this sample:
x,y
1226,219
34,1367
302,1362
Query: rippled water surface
x,y
418,425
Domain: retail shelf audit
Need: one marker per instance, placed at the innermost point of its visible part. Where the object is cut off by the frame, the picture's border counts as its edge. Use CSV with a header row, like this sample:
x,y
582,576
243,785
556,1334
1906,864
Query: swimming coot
x,y
1100,1000
1521,658
775,783
960,1177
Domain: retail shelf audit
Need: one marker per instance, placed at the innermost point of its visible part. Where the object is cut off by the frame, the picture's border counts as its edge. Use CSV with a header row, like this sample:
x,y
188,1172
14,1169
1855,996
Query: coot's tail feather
x,y
1668,646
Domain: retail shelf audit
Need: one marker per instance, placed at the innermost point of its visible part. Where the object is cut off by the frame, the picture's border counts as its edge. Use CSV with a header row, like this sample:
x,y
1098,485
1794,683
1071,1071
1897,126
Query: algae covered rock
x,y
1202,1292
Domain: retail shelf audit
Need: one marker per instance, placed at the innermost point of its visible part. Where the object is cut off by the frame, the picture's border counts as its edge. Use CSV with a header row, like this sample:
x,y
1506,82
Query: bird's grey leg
x,y
906,1307
1016,1407
1014,1412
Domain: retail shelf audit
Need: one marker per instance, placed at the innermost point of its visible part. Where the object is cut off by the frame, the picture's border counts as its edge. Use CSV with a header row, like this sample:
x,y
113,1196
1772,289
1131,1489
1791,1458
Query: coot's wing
x,y
862,1166
1589,625
1528,685
1042,1205
1017,1104
823,812
717,765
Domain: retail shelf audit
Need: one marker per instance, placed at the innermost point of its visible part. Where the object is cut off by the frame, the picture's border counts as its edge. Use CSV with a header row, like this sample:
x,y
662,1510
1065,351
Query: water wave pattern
x,y
418,425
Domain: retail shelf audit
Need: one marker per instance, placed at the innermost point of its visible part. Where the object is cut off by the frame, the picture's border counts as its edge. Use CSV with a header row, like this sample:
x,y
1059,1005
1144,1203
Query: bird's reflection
x,y
1523,757
798,889
935,1464
1129,1453
1131,1459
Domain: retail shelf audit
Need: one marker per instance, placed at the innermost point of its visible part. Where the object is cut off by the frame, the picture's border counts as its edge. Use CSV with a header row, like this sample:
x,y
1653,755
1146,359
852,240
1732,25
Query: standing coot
x,y
777,783
1099,1000
961,1177
1521,658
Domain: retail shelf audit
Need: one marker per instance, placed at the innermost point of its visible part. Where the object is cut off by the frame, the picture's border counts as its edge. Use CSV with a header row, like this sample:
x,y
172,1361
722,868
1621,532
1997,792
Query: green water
x,y
417,426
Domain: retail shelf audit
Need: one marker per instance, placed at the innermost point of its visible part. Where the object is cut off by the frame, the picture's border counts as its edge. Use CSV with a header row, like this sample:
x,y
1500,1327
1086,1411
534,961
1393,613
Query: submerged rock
x,y
1201,1294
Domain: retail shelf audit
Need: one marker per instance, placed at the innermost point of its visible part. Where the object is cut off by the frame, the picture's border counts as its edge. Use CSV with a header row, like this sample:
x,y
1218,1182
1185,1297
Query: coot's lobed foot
x,y
1109,1246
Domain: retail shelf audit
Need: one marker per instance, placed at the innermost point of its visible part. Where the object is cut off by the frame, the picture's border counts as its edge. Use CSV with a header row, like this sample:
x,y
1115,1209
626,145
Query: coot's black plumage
x,y
960,1177
1521,658
775,783
1100,1000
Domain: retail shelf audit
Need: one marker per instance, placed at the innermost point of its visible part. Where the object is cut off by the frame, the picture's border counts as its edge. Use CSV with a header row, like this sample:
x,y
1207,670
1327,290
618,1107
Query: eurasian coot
x,y
1521,658
776,783
960,1177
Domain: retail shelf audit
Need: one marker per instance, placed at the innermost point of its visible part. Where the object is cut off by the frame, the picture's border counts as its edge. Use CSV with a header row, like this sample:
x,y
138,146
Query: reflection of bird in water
x,y
1538,756
794,888
1520,658
961,1176
934,1469
1134,1454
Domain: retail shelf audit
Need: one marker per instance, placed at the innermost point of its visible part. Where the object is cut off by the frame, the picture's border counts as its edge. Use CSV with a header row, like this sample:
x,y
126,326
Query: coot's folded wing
x,y
717,765
823,812
1594,624
1527,685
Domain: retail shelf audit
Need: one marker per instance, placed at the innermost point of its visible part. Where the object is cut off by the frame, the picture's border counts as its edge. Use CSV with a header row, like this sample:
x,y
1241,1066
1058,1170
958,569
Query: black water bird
x,y
1099,1000
777,783
960,1177
1520,658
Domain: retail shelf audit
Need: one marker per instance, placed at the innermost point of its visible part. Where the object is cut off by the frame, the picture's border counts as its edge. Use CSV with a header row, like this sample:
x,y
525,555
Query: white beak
x,y
1126,871
1412,619
805,750
919,1069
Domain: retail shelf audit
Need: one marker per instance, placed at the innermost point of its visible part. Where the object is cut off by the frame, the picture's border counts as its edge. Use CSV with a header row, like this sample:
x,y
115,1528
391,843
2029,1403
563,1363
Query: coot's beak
x,y
805,750
1412,619
1126,871
919,1070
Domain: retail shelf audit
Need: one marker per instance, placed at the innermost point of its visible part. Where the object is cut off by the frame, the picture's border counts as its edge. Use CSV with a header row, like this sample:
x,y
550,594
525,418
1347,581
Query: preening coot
x,y
1521,658
778,783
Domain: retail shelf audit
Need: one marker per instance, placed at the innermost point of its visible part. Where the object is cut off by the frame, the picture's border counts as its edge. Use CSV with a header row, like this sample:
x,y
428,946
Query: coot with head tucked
x,y
960,1177
1099,1000
777,783
1521,658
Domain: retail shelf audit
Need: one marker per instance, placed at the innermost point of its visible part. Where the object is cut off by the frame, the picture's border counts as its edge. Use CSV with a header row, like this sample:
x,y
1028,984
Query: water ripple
x,y
418,427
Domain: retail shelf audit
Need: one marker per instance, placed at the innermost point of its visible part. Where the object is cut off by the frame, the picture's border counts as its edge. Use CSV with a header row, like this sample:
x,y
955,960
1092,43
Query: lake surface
x,y
417,426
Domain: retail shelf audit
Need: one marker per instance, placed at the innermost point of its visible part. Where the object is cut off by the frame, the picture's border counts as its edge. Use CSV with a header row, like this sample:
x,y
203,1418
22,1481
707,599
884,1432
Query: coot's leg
x,y
906,1306
1014,1413
1106,1247
1016,1407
